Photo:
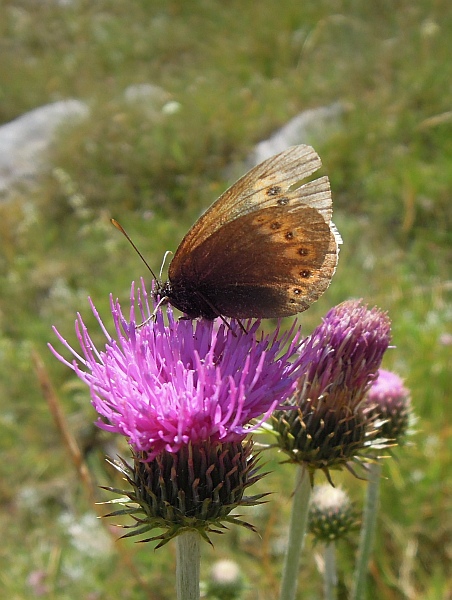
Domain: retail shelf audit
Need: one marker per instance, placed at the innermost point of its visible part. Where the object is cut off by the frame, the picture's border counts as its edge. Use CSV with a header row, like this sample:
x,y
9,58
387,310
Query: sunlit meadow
x,y
230,74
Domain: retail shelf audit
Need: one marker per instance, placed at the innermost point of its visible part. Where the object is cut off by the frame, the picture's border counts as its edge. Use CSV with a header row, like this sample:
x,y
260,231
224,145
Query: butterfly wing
x,y
265,248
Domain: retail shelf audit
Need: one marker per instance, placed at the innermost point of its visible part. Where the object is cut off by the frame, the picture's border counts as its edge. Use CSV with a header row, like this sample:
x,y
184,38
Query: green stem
x,y
188,558
297,530
367,532
330,575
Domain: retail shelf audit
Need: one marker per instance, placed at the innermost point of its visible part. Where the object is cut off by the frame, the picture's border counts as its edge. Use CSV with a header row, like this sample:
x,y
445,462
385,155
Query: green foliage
x,y
233,72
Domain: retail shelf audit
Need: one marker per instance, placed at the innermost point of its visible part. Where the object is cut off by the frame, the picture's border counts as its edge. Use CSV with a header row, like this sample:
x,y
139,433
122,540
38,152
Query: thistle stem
x,y
367,532
330,575
188,558
297,530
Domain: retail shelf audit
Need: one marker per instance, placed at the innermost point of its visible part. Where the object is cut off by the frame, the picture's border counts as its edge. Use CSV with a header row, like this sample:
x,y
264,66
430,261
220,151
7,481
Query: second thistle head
x,y
330,426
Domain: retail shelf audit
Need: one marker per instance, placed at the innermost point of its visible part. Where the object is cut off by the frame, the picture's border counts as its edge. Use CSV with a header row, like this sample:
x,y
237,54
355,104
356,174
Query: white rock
x,y
146,92
306,128
25,141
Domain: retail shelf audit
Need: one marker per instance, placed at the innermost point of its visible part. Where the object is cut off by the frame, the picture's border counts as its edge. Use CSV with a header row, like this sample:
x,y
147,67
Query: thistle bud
x,y
331,514
329,426
226,581
389,401
195,488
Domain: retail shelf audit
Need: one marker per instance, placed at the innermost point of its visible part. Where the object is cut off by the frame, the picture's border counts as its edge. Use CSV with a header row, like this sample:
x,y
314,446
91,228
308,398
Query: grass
x,y
238,73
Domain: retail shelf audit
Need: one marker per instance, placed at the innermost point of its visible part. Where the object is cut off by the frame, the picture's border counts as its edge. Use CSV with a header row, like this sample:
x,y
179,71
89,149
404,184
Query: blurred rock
x,y
306,128
25,141
146,92
152,99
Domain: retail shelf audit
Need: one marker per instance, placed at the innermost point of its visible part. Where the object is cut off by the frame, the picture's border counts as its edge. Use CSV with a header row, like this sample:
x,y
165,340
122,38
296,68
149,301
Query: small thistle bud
x,y
331,514
226,581
194,488
390,403
339,361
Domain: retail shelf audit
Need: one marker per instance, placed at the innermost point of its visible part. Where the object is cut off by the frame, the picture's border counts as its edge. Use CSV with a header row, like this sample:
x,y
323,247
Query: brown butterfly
x,y
265,248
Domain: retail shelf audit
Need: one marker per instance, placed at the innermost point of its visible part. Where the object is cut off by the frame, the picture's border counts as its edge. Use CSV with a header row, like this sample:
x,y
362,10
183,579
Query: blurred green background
x,y
231,74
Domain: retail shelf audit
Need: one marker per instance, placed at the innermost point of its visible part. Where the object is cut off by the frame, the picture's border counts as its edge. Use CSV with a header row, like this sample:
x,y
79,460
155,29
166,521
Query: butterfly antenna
x,y
163,263
124,232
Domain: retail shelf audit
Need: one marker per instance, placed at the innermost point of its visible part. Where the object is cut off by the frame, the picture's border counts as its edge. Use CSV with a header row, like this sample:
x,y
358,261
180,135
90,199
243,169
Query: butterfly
x,y
265,248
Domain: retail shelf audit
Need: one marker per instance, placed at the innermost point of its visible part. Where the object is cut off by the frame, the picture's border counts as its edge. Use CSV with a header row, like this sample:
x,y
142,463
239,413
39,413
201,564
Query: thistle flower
x,y
183,394
332,515
390,403
338,363
163,386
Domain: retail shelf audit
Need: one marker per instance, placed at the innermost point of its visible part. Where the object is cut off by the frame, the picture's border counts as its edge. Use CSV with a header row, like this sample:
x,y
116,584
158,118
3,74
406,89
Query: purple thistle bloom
x,y
165,386
390,402
387,385
338,363
344,352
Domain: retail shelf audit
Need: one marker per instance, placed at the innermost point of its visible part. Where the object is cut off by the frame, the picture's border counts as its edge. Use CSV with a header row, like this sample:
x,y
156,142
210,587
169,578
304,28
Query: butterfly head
x,y
188,299
161,292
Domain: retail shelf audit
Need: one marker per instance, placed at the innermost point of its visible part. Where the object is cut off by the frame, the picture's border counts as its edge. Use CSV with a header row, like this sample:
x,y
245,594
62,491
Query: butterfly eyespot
x,y
305,273
283,201
289,235
274,190
275,225
303,251
296,291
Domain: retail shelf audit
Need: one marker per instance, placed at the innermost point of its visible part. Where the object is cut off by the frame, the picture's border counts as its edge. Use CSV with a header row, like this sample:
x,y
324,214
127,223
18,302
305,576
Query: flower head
x,y
390,402
338,363
332,515
166,385
184,395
